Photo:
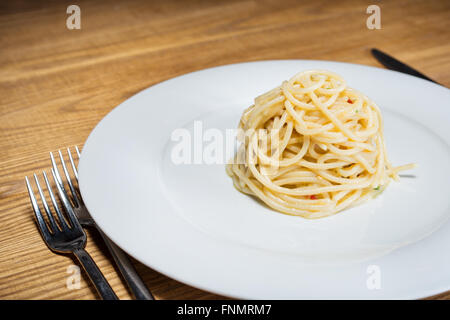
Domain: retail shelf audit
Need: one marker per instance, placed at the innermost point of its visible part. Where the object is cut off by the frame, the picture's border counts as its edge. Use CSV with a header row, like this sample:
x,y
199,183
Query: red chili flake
x,y
313,197
349,101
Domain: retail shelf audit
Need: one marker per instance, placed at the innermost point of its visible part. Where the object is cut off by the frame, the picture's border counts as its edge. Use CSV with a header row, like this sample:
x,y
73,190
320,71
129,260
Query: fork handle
x,y
127,270
96,276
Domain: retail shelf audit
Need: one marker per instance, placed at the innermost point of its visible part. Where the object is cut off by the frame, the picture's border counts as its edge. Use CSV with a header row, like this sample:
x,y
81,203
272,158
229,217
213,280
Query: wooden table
x,y
56,84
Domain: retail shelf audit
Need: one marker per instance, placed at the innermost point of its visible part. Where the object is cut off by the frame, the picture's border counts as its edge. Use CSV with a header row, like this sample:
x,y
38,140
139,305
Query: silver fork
x,y
63,237
126,268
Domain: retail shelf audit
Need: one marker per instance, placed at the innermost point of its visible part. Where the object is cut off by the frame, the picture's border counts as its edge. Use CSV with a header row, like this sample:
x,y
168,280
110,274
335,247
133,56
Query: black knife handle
x,y
394,64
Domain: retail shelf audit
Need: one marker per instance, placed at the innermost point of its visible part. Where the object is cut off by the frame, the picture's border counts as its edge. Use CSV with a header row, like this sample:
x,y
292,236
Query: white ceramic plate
x,y
188,221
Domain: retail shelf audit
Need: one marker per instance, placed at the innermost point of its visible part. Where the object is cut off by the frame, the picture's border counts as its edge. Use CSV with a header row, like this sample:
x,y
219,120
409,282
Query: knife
x,y
393,64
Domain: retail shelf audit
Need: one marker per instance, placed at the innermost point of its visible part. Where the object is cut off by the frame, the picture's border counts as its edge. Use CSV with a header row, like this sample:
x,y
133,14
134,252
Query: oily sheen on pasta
x,y
312,147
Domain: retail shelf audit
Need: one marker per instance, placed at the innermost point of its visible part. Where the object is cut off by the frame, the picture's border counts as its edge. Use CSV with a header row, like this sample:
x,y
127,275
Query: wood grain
x,y
57,84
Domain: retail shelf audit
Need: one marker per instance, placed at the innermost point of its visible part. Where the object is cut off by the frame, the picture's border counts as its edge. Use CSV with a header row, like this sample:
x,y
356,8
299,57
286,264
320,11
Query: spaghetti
x,y
312,147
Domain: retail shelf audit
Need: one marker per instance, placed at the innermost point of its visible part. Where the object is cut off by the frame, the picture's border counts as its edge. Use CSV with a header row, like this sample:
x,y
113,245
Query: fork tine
x,y
69,180
57,177
46,208
62,220
65,200
74,168
37,212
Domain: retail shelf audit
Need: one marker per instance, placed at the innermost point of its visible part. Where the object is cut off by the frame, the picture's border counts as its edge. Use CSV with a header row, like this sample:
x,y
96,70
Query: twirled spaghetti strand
x,y
312,147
